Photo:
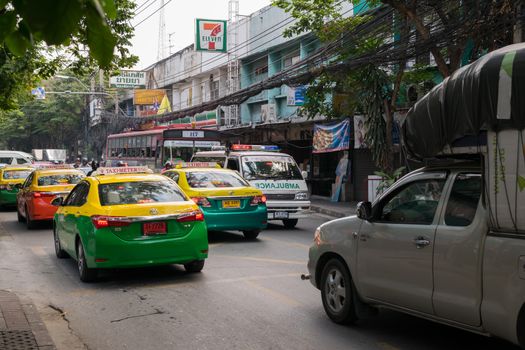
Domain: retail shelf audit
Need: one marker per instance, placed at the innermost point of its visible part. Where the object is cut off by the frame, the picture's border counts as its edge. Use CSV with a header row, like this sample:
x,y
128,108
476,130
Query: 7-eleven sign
x,y
210,35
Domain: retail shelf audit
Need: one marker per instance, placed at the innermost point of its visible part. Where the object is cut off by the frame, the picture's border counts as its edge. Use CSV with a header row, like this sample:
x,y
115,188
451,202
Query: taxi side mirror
x,y
364,210
58,201
304,174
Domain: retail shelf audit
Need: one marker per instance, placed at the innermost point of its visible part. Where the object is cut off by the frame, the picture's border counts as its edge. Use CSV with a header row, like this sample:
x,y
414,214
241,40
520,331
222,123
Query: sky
x,y
179,16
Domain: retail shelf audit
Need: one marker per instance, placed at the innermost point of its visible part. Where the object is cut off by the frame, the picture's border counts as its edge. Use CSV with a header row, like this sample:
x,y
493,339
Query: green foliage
x,y
388,179
25,23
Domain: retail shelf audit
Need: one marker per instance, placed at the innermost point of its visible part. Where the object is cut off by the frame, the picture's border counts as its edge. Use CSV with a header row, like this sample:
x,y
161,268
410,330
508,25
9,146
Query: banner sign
x,y
148,97
505,170
332,137
210,35
128,79
359,132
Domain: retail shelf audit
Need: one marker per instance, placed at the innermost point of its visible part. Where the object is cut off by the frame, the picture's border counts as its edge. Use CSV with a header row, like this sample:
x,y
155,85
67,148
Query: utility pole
x,y
232,111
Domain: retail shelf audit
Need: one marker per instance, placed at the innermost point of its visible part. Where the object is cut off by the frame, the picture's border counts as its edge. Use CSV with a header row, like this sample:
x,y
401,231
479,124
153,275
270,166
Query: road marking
x,y
290,244
38,250
276,261
276,295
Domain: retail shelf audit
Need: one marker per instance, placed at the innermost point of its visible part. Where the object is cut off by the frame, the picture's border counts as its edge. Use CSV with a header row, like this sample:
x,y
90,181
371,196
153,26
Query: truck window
x,y
233,164
270,167
463,201
415,203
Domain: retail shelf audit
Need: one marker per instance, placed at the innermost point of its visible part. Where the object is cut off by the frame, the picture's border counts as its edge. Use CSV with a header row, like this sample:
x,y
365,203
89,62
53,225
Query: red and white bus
x,y
155,147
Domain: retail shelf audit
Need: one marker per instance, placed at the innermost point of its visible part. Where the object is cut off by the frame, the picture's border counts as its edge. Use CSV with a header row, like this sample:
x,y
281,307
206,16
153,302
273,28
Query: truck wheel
x,y
251,234
194,266
337,293
85,273
290,223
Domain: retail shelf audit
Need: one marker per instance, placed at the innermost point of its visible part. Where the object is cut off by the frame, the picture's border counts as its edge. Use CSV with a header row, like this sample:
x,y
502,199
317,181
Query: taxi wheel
x,y
19,216
251,234
290,223
29,223
85,273
60,253
194,266
337,292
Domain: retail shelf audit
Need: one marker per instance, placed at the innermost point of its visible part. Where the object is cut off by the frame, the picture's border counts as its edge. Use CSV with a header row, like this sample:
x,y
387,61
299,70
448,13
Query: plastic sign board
x,y
128,79
123,170
198,165
210,35
39,93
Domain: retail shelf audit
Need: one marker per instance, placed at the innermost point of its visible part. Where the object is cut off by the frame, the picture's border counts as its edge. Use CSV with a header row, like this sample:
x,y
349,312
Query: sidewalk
x,y
335,209
20,325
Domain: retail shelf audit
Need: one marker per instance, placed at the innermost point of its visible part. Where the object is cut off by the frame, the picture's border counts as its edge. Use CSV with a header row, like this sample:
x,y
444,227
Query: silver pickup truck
x,y
425,248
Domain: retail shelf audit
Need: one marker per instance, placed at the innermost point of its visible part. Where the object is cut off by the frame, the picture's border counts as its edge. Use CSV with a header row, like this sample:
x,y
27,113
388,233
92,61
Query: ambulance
x,y
275,174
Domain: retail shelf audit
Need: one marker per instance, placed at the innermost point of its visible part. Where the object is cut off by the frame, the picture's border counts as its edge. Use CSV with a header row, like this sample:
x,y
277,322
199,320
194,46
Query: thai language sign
x,y
331,137
128,80
148,97
210,35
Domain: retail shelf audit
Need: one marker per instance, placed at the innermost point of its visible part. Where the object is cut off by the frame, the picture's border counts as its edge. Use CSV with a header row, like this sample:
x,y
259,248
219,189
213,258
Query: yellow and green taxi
x,y
11,177
128,217
226,199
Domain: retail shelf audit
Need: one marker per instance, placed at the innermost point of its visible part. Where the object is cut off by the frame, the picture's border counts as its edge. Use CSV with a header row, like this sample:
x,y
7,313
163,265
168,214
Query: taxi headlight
x,y
302,196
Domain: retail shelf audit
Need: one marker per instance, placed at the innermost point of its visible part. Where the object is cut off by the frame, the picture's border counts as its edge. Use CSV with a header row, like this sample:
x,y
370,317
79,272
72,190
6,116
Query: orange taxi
x,y
34,198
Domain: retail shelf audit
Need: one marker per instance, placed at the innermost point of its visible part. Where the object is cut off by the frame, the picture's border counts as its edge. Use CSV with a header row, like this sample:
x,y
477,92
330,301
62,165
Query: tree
x,y
38,38
449,30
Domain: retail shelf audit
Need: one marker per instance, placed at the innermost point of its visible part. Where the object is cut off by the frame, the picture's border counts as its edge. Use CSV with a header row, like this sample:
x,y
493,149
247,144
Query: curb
x,y
329,212
20,324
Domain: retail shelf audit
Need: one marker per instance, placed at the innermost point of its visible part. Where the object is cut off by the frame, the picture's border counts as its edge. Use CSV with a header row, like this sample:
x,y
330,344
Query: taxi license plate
x,y
231,204
280,215
154,228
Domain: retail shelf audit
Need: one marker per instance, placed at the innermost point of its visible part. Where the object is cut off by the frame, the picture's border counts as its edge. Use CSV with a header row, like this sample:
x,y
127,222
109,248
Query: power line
x,y
154,12
144,9
142,5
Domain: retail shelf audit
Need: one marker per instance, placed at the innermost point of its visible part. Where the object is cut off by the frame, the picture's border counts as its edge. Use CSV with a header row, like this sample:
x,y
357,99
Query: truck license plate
x,y
280,215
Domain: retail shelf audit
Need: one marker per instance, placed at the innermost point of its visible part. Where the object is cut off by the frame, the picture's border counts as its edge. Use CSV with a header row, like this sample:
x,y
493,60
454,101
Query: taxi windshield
x,y
137,192
59,179
200,179
270,167
16,174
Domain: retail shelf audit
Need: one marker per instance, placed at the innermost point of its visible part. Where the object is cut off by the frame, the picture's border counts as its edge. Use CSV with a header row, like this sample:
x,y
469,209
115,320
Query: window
x,y
78,196
139,192
6,160
16,174
415,203
270,167
260,70
173,175
29,180
214,90
200,179
59,179
291,59
463,201
21,161
233,164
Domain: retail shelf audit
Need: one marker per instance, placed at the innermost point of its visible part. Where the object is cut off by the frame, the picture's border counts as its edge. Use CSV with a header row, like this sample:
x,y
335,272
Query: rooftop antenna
x,y
161,52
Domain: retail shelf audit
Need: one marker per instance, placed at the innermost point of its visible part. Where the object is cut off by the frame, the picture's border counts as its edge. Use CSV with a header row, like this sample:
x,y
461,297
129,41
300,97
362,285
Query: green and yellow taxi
x,y
129,217
11,178
226,199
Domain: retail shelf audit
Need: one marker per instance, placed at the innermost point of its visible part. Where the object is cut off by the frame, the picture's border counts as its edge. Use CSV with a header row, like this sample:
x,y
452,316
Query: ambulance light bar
x,y
240,147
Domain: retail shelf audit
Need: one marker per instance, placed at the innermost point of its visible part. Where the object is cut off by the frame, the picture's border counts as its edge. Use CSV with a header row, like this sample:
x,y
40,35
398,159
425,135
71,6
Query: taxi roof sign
x,y
54,166
122,170
197,165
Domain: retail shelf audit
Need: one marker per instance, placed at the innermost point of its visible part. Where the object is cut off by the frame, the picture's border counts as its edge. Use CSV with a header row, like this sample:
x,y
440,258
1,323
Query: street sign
x,y
210,35
39,93
129,79
296,95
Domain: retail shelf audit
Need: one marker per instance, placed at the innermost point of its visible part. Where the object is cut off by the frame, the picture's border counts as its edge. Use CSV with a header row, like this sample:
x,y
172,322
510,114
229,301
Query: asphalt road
x,y
249,296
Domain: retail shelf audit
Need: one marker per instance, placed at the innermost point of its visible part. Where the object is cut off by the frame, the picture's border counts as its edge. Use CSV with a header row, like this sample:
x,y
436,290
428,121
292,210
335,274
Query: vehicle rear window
x,y
16,174
200,179
137,192
6,160
59,179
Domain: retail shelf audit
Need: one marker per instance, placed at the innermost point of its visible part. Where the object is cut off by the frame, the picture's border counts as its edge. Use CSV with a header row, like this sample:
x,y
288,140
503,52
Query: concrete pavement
x,y
323,205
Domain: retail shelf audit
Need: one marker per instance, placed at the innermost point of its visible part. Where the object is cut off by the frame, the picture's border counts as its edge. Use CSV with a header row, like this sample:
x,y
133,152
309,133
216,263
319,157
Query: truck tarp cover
x,y
488,94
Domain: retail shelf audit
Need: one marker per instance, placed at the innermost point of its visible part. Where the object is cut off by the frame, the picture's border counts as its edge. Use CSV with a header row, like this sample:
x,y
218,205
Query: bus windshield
x,y
270,167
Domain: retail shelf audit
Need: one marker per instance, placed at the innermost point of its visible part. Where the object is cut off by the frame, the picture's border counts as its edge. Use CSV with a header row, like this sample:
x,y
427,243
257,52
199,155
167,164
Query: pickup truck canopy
x,y
488,94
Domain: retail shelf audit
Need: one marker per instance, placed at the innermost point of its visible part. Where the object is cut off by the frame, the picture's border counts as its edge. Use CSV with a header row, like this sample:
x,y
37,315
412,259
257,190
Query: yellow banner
x,y
148,97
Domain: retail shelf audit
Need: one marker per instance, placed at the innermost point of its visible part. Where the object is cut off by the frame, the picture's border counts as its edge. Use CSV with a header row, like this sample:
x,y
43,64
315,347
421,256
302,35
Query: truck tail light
x,y
193,216
258,200
100,221
201,201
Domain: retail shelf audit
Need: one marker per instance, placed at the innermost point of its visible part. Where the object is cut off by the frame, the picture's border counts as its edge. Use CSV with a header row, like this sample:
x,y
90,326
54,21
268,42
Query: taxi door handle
x,y
421,242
